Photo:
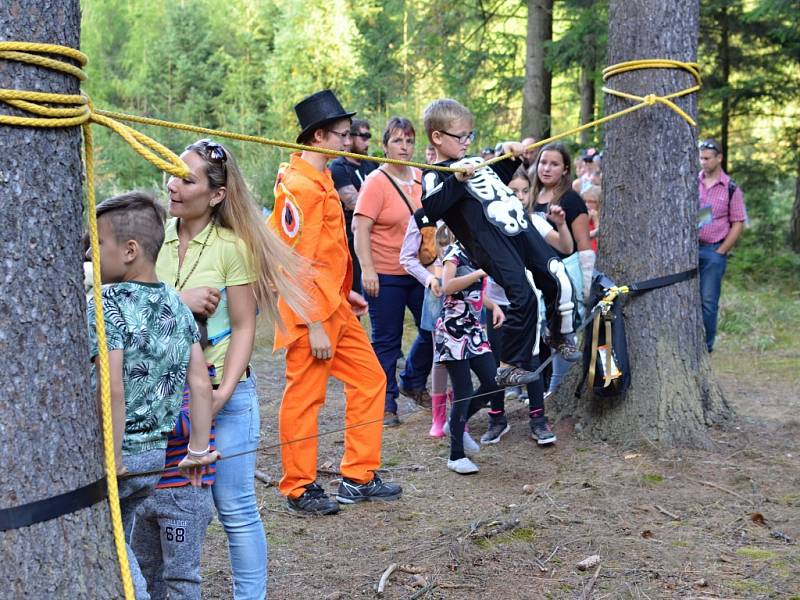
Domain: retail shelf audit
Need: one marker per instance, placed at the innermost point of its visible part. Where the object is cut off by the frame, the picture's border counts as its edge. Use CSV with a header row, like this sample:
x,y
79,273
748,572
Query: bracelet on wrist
x,y
195,453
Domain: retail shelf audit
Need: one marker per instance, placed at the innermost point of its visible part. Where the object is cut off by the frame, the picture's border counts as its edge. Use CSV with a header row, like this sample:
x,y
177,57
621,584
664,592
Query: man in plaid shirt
x,y
726,201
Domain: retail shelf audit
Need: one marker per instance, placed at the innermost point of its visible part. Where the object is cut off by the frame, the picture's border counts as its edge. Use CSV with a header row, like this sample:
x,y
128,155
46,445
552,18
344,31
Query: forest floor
x,y
701,524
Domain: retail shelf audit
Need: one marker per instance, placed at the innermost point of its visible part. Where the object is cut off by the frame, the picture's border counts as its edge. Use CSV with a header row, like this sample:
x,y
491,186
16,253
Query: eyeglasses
x,y
364,136
708,146
467,138
344,135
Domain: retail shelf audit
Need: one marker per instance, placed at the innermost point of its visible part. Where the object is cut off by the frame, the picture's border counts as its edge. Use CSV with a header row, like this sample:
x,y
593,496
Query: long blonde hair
x,y
269,258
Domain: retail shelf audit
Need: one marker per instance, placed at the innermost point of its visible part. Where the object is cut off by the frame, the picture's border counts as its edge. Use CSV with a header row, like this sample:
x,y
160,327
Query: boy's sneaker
x,y
462,466
512,393
497,429
541,432
567,347
314,501
470,445
513,376
351,492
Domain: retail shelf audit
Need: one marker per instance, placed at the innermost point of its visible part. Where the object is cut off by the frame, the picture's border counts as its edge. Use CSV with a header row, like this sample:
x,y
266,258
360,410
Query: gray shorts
x,y
168,539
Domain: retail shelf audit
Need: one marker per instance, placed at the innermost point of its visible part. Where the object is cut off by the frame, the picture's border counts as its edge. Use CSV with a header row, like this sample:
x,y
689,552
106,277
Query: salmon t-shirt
x,y
380,201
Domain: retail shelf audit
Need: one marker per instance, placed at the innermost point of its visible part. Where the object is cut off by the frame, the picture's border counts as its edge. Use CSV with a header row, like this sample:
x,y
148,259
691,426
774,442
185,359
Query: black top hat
x,y
317,110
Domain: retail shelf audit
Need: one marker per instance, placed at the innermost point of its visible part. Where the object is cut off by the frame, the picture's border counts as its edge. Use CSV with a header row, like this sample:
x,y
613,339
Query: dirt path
x,y
667,524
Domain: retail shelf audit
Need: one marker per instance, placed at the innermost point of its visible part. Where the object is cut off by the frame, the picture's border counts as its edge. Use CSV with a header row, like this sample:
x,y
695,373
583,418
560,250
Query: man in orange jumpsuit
x,y
308,216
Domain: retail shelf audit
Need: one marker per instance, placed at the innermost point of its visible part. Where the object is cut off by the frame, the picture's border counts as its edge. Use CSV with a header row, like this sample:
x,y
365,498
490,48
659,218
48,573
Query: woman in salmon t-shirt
x,y
387,199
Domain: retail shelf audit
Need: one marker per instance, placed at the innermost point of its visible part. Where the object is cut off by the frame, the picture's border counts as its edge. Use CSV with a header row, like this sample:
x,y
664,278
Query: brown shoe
x,y
390,419
421,397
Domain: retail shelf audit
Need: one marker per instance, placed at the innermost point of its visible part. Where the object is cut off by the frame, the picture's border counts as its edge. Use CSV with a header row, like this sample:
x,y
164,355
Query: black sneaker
x,y
513,376
567,347
351,492
541,432
498,427
314,501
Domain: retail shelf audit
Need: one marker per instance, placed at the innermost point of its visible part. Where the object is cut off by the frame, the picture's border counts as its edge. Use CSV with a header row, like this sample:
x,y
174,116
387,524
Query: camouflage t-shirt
x,y
155,331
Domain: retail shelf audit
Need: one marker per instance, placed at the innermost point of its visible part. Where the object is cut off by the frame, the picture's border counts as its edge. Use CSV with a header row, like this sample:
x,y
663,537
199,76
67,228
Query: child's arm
x,y
561,239
200,416
117,403
498,316
409,254
440,193
452,284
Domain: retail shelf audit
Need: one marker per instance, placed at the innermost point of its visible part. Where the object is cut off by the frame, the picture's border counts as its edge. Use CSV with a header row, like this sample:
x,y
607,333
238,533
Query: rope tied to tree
x,y
73,110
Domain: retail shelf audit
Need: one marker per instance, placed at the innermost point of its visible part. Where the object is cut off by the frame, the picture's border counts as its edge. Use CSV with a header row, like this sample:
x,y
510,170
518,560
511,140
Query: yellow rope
x,y
77,109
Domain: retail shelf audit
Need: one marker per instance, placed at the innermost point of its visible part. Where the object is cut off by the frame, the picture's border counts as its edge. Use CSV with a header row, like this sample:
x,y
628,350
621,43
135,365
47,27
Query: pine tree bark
x,y
650,189
536,91
48,420
794,231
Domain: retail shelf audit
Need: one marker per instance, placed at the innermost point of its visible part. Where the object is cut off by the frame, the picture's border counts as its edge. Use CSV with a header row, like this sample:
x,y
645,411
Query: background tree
x,y
673,397
48,418
538,79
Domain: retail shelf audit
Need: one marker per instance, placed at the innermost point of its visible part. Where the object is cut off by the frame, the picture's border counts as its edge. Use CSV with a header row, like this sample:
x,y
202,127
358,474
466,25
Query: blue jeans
x,y
238,429
712,270
386,314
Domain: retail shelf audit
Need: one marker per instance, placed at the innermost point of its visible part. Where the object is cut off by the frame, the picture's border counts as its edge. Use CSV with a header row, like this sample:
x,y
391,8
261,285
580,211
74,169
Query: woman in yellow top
x,y
226,265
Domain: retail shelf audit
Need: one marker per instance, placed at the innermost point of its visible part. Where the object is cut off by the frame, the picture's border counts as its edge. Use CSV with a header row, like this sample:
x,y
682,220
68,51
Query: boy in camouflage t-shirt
x,y
153,349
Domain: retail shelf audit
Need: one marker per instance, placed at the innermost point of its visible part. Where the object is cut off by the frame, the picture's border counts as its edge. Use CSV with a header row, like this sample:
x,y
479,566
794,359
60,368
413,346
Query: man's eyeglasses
x,y
342,134
708,146
364,136
467,138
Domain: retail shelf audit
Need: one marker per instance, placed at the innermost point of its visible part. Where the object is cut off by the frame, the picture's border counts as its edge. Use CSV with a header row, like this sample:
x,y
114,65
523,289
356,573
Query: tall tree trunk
x,y
536,91
794,232
48,420
587,90
648,231
725,76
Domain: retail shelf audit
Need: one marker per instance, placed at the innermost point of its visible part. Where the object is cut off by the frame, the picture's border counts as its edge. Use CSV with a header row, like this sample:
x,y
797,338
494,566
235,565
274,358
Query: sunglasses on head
x,y
364,136
708,146
214,151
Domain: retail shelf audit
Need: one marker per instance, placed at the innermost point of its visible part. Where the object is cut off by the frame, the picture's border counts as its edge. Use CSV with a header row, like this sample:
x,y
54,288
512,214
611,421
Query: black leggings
x,y
485,368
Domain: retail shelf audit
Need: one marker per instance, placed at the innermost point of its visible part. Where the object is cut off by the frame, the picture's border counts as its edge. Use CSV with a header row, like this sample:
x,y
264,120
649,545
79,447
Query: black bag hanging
x,y
605,353
606,364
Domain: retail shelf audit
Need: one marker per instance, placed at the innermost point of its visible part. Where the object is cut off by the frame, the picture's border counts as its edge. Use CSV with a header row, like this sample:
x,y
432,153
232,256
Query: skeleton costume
x,y
491,224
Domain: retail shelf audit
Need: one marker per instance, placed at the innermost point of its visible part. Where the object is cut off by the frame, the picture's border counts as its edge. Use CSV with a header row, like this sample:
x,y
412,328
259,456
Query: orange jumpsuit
x,y
308,216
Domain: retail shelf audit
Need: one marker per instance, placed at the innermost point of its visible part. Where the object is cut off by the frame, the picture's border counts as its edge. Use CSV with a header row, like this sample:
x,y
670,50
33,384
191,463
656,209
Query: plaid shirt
x,y
723,212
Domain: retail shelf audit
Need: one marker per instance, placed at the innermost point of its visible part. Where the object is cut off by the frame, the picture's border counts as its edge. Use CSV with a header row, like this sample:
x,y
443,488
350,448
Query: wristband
x,y
195,453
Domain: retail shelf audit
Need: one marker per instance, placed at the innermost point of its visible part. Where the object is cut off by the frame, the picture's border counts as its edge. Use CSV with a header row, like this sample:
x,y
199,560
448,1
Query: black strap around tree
x,y
659,282
53,507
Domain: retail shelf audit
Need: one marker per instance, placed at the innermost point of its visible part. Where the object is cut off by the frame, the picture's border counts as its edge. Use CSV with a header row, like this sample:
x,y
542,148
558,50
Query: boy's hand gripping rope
x,y
76,109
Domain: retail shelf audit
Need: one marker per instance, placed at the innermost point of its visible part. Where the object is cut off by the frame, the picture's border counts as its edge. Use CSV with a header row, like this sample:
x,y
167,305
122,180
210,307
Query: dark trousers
x,y
348,228
506,259
386,314
484,367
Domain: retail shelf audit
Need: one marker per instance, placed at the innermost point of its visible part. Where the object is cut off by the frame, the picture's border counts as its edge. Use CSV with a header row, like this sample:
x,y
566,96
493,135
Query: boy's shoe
x,y
541,432
470,445
567,347
390,419
351,492
314,501
497,429
421,397
462,466
512,393
513,376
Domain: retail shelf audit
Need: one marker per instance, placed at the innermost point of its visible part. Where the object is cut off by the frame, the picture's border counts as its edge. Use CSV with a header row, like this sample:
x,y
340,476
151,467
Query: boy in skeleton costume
x,y
493,227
